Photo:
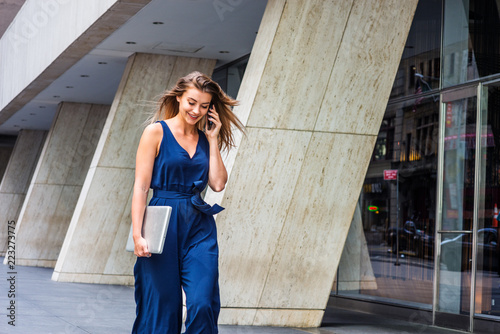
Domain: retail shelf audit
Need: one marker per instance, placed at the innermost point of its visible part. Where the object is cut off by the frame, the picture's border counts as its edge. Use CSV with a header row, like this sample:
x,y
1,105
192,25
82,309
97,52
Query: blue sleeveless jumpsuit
x,y
190,255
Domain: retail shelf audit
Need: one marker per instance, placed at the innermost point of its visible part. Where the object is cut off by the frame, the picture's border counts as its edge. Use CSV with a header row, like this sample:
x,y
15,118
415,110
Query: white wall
x,y
48,25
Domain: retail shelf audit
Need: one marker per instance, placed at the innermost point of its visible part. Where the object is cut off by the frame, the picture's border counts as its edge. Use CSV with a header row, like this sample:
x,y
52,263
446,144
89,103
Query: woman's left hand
x,y
213,117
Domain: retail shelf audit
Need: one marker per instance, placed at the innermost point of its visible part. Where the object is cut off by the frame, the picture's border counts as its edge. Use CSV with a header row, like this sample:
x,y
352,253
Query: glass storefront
x,y
425,230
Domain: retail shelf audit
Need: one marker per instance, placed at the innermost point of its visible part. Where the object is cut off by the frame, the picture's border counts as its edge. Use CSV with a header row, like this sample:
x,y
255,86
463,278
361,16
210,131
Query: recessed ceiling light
x,y
32,114
56,96
130,42
24,120
70,87
84,76
157,22
42,107
223,51
16,126
102,63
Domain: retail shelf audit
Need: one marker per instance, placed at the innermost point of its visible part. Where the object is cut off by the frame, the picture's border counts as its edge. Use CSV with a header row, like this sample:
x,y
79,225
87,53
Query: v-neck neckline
x,y
183,149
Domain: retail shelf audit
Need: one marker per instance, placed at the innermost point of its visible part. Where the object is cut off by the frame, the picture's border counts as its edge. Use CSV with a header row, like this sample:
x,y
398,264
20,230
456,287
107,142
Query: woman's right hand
x,y
141,248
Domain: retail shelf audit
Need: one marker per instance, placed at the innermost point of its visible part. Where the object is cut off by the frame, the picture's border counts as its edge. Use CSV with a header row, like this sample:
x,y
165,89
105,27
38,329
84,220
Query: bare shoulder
x,y
154,130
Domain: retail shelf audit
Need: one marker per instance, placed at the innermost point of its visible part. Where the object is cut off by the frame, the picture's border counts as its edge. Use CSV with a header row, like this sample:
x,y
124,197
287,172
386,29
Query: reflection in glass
x,y
458,203
459,164
229,76
407,142
488,251
471,47
419,68
455,273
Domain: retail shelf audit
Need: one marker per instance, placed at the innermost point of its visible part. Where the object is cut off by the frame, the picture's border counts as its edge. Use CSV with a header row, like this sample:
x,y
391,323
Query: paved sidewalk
x,y
43,306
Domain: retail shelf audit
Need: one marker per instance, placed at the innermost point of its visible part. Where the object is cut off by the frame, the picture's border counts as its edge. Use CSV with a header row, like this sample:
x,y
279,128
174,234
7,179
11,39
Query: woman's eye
x,y
191,103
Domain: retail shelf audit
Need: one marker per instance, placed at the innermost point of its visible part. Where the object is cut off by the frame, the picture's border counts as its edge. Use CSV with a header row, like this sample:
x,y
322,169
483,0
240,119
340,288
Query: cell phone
x,y
210,123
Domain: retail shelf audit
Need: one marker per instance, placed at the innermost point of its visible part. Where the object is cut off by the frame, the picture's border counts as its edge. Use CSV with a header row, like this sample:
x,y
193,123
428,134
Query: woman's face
x,y
193,105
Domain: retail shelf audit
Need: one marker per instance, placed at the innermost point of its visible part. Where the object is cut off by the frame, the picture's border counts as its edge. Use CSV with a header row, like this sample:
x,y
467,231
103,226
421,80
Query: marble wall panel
x,y
50,208
10,205
250,83
98,219
258,195
17,177
57,181
315,228
367,59
57,159
291,93
288,317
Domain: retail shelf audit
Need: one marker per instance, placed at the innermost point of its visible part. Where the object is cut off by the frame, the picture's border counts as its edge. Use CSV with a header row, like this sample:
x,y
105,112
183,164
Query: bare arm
x,y
146,153
217,174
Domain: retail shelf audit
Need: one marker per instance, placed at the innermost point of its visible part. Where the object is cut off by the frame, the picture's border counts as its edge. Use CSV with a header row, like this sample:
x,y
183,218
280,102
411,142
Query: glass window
x,y
488,248
391,215
471,42
460,108
229,76
419,68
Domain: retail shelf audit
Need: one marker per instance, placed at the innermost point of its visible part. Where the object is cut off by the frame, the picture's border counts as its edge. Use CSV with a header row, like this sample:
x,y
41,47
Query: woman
x,y
177,160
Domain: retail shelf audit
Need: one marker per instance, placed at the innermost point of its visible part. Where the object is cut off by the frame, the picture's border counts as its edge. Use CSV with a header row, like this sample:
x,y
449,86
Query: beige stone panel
x,y
299,65
96,221
119,260
87,143
139,90
355,268
93,278
258,195
36,263
288,318
237,316
365,67
250,83
71,143
44,222
317,222
23,162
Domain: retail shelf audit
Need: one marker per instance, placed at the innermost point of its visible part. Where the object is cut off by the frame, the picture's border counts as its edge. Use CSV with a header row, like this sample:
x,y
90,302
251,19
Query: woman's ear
x,y
178,98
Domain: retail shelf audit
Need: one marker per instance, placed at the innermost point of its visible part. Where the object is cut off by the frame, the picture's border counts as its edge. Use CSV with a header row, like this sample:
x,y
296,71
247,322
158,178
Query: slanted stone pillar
x,y
57,182
94,247
313,97
17,177
356,271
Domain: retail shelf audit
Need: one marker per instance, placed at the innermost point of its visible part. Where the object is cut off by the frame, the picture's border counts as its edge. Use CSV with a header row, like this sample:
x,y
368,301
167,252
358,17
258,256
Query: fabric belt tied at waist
x,y
194,195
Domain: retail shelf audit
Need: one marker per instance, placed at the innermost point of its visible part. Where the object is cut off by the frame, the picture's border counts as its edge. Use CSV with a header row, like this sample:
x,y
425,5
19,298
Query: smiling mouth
x,y
193,117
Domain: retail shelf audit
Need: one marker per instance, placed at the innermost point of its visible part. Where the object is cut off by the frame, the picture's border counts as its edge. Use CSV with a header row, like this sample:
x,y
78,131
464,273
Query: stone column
x,y
17,177
94,247
57,182
313,97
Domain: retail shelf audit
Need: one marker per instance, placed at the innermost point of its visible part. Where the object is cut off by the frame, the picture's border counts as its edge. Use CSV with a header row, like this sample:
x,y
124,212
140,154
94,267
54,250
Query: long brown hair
x,y
168,106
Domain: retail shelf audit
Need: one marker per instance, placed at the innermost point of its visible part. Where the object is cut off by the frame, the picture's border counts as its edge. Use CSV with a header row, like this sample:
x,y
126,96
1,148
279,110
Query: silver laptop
x,y
154,228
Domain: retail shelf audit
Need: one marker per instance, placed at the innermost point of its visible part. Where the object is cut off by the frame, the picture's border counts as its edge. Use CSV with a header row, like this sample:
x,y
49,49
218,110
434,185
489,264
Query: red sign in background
x,y
390,174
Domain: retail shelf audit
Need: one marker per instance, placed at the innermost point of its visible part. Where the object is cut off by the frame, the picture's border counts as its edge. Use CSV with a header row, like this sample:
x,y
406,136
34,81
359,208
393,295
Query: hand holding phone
x,y
209,125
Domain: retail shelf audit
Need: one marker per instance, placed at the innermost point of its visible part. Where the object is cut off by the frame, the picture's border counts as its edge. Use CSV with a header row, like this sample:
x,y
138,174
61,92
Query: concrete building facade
x,y
333,94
